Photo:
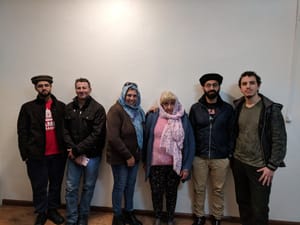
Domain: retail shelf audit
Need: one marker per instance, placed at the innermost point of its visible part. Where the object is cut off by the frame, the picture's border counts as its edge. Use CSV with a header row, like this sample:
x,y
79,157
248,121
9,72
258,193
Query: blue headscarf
x,y
135,112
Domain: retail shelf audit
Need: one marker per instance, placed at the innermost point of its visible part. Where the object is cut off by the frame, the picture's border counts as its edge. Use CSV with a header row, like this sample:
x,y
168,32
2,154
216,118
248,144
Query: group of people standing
x,y
172,145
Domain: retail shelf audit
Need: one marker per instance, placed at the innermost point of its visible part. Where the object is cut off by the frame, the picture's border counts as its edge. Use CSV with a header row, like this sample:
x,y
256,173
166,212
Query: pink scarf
x,y
173,135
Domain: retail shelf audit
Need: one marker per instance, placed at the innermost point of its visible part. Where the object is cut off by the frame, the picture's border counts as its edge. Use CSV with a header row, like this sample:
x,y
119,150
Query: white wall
x,y
160,45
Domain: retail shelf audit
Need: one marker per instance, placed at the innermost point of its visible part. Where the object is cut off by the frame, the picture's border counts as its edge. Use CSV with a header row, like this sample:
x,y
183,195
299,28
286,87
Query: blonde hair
x,y
167,96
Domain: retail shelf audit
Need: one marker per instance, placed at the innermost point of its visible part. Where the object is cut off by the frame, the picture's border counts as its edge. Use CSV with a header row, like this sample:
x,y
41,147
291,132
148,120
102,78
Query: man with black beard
x,y
41,144
211,119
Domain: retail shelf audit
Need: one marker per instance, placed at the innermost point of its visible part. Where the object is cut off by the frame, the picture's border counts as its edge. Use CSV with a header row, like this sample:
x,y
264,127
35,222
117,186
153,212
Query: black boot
x,y
83,220
130,218
199,220
118,220
55,217
41,219
214,221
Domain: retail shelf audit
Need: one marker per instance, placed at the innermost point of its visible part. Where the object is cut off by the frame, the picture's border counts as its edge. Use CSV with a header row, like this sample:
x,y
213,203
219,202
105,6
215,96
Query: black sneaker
x,y
55,217
41,219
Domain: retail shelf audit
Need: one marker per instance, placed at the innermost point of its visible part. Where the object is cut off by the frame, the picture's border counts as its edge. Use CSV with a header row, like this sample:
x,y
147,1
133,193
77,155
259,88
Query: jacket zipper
x,y
209,138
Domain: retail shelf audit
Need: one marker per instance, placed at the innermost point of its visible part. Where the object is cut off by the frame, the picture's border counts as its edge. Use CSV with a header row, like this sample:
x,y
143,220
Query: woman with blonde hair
x,y
168,153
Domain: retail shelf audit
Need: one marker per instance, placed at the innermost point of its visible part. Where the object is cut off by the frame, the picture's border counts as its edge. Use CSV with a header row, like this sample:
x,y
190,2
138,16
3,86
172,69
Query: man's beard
x,y
44,94
212,94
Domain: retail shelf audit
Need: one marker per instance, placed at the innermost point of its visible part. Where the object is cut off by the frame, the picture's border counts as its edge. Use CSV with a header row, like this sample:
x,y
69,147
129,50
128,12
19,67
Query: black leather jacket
x,y
213,136
31,127
271,130
85,128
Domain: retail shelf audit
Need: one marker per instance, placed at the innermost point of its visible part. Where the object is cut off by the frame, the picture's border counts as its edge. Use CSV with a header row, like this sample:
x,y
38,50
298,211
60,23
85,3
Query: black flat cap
x,y
38,78
211,76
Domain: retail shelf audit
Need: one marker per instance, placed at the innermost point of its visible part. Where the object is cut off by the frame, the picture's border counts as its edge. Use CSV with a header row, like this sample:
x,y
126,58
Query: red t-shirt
x,y
51,141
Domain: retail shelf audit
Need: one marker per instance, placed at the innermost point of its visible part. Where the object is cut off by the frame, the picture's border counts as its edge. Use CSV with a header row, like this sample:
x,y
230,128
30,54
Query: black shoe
x,y
118,220
55,217
83,220
199,220
157,221
130,218
170,222
41,219
214,221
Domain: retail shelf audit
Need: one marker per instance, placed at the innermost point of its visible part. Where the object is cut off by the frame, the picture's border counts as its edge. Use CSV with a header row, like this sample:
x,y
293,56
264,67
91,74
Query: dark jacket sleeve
x,y
230,130
147,136
67,134
189,145
114,126
279,138
23,132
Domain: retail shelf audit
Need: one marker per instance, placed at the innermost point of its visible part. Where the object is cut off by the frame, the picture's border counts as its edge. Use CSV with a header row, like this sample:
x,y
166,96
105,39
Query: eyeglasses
x,y
131,84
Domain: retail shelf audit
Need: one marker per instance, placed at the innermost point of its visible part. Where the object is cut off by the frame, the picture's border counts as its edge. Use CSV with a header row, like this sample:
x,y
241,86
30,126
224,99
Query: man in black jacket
x,y
40,139
85,132
211,119
259,150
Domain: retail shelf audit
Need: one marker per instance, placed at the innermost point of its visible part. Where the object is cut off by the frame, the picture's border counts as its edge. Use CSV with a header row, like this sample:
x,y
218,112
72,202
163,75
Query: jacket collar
x,y
203,101
42,100
76,103
266,101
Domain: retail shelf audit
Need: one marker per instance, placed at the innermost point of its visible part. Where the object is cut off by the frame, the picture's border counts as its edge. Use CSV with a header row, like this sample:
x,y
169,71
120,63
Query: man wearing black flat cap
x,y
41,145
211,119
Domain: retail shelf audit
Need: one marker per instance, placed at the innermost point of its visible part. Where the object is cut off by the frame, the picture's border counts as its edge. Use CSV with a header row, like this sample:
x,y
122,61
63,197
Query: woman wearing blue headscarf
x,y
125,121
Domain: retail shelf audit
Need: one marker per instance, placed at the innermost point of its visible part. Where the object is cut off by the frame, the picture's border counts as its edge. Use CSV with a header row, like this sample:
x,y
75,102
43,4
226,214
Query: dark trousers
x,y
252,197
46,176
164,180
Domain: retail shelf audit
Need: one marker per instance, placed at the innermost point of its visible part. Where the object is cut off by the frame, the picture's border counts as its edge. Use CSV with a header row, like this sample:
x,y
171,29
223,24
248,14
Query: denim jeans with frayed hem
x,y
124,184
74,174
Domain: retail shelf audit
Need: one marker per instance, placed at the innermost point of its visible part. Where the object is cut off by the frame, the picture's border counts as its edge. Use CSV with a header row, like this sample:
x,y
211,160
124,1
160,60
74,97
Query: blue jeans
x,y
74,174
46,176
124,183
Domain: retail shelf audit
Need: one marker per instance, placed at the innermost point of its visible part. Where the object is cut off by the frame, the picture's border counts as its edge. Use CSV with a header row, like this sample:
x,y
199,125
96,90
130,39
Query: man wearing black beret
x,y
211,119
41,145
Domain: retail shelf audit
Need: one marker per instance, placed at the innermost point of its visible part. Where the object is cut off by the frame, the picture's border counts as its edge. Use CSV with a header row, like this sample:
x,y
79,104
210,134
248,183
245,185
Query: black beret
x,y
211,76
38,78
